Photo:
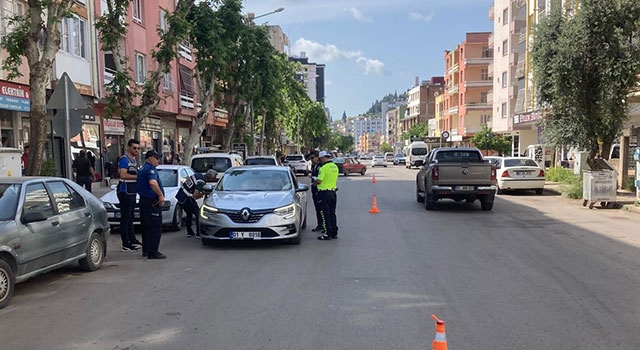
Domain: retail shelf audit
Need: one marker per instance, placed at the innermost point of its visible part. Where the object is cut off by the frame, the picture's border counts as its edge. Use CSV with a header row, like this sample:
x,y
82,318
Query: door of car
x,y
41,242
300,197
74,216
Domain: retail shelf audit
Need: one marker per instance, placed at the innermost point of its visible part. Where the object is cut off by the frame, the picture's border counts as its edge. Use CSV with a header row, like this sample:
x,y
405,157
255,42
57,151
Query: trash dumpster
x,y
599,186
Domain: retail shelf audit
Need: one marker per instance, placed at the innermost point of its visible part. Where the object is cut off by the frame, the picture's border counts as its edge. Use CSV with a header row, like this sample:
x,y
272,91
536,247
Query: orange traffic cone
x,y
440,341
374,206
373,181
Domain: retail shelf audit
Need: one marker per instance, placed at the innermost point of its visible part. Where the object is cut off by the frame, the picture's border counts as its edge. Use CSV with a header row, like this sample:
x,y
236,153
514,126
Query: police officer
x,y
151,198
127,190
327,183
315,169
189,192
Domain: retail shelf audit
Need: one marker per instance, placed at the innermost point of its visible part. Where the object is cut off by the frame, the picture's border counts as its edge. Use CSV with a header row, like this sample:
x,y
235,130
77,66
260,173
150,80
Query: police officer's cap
x,y
325,154
152,153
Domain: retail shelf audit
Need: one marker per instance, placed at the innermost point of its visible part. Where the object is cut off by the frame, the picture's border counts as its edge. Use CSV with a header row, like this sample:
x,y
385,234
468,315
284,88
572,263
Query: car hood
x,y
252,200
112,197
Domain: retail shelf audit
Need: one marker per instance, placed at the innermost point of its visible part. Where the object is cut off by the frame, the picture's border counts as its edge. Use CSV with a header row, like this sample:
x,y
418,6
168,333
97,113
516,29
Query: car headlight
x,y
287,212
206,210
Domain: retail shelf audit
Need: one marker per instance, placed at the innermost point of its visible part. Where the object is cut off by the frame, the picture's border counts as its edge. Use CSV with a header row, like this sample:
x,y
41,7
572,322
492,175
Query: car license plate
x,y
245,235
464,188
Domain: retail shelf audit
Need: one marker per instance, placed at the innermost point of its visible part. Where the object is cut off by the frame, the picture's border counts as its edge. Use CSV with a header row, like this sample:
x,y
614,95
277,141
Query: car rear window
x,y
168,177
419,151
294,158
260,161
219,164
458,157
519,162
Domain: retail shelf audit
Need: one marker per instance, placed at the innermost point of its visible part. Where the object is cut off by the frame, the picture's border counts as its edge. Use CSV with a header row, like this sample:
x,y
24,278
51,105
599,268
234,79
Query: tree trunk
x,y
197,126
130,127
38,78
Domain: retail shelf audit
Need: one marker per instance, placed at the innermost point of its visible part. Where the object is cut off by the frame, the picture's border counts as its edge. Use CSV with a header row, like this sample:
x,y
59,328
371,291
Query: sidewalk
x,y
99,189
624,199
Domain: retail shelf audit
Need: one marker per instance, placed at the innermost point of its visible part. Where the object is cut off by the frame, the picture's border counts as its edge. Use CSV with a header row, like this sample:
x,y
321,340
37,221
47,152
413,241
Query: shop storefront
x,y
113,145
150,134
528,130
169,140
14,107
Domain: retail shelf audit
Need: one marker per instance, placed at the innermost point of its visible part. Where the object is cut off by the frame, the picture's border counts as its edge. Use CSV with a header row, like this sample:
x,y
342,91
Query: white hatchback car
x,y
378,161
519,173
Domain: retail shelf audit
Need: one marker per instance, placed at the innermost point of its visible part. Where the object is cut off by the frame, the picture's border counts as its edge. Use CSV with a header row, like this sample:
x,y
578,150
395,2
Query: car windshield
x,y
399,155
255,180
9,195
339,160
219,164
168,177
289,158
519,162
260,161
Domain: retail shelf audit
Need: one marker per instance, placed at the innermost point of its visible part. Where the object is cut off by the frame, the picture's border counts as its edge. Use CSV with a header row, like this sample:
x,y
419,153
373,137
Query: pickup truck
x,y
458,174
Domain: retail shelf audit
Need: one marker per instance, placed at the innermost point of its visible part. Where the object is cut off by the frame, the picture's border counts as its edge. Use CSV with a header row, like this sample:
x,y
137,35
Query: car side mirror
x,y
302,188
207,189
32,217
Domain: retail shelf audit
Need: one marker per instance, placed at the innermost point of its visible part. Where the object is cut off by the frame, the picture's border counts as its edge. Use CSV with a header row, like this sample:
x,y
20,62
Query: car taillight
x,y
541,173
505,174
493,173
435,173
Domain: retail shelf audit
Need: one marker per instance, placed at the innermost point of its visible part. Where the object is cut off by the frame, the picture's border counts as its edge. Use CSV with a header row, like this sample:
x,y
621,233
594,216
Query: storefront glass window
x,y
6,128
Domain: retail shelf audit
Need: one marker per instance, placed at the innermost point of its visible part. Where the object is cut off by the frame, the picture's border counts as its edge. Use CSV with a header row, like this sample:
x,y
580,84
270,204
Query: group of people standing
x,y
324,188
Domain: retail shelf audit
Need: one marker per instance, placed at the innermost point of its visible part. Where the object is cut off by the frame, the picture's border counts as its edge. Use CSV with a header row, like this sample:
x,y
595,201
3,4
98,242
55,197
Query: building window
x,y
505,16
485,119
167,83
505,47
487,52
484,97
484,74
163,20
504,110
73,35
504,79
141,68
137,10
109,67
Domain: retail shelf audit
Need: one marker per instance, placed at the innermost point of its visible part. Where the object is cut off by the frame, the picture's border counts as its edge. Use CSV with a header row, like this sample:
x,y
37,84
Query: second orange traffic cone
x,y
374,206
374,179
440,341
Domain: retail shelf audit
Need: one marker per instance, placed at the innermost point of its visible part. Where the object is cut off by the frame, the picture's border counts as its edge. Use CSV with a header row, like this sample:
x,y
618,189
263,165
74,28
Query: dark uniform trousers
x,y
127,207
151,220
190,207
327,201
314,196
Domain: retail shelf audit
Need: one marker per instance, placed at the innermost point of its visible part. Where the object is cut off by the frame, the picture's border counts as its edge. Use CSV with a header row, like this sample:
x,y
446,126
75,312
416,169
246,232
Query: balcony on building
x,y
184,51
187,91
478,106
478,83
453,110
517,25
454,68
513,58
490,41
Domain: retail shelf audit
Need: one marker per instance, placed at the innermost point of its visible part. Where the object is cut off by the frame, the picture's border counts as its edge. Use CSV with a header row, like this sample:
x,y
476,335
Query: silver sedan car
x,y
255,203
46,223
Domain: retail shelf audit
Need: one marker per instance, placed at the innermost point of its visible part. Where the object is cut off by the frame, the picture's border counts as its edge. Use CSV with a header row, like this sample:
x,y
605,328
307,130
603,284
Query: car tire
x,y
176,224
362,172
95,253
486,205
539,191
429,202
207,242
419,198
7,283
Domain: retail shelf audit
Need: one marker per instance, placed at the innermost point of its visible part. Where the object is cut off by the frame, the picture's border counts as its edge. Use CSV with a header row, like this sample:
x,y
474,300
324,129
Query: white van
x,y
219,162
415,153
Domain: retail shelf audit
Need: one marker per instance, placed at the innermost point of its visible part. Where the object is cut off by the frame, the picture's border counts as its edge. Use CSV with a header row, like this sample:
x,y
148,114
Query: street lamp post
x,y
252,17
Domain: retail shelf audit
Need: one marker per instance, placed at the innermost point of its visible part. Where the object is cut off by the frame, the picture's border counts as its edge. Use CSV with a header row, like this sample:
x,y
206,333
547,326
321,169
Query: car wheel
x,y
362,172
419,198
296,240
207,242
539,191
385,165
486,205
95,254
7,283
176,224
346,173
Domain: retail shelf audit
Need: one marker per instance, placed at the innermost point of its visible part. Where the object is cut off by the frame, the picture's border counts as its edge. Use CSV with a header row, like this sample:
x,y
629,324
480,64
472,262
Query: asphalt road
x,y
537,272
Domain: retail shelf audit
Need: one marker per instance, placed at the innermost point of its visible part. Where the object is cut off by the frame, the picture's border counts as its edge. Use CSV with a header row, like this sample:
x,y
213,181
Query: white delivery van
x,y
541,154
10,162
415,154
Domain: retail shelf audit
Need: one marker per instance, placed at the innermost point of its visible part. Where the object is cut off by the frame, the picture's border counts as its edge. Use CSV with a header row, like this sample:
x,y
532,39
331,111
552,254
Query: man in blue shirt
x,y
151,198
187,195
127,190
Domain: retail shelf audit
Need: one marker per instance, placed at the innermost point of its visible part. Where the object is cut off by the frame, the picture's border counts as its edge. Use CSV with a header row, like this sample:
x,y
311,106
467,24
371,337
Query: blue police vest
x,y
128,186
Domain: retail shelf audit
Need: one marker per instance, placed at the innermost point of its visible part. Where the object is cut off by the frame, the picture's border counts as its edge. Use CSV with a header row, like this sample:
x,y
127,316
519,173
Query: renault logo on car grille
x,y
465,171
245,214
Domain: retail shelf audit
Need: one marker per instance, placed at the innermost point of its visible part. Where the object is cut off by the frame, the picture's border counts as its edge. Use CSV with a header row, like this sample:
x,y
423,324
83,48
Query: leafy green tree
x,y
486,139
386,147
36,36
420,130
128,99
585,65
343,143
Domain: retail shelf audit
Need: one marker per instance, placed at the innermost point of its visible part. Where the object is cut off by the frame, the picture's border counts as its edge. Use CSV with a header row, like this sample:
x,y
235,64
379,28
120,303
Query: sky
x,y
373,47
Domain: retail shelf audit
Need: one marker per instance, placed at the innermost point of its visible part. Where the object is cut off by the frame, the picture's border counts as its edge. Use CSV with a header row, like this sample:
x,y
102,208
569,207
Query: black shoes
x,y
157,255
324,238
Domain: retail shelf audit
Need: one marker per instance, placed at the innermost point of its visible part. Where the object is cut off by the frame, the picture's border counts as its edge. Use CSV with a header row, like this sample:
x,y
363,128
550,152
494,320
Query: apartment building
x,y
278,39
421,102
467,80
312,75
389,127
439,114
368,128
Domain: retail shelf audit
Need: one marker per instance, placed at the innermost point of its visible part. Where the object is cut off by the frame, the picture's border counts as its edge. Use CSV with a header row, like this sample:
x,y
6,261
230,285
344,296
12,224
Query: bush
x,y
560,174
574,189
630,185
48,168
